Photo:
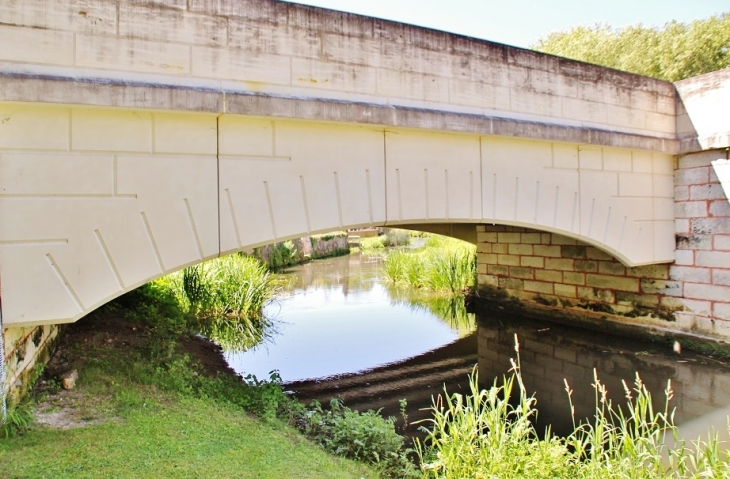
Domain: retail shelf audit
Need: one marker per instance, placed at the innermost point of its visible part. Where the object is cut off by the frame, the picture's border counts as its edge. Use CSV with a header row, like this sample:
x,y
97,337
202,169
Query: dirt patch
x,y
122,338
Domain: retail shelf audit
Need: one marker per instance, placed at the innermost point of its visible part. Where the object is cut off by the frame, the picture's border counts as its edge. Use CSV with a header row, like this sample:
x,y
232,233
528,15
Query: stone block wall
x,y
25,349
690,295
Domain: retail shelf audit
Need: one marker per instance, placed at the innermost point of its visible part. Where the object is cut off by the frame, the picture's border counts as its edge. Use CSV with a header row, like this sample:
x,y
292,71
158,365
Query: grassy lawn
x,y
154,401
173,438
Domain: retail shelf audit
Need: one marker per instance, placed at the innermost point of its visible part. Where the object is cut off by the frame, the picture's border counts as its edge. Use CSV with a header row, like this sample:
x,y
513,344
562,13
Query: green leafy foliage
x,y
363,436
674,52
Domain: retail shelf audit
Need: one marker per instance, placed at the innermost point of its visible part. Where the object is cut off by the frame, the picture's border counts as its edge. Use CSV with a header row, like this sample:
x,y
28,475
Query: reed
x,y
444,265
225,297
489,433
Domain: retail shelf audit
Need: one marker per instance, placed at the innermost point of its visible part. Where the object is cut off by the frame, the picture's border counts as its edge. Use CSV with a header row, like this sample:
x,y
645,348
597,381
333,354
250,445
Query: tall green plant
x,y
225,296
490,434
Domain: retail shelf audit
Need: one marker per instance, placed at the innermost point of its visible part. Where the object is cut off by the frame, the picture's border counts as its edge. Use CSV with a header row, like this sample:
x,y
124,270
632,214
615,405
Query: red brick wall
x,y
692,294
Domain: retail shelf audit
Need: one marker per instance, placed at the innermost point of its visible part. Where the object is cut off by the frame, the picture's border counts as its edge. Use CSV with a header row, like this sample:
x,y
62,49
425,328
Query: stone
x,y
68,380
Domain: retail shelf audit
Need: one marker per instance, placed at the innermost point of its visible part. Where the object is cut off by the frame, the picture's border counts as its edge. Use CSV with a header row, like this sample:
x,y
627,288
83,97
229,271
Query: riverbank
x,y
154,402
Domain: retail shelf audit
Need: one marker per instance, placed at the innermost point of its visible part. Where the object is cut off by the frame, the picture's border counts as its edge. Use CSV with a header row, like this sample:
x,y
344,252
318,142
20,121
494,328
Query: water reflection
x,y
343,333
336,318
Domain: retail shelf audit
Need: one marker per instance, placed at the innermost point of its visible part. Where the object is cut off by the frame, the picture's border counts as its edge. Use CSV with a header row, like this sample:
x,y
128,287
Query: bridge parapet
x,y
270,58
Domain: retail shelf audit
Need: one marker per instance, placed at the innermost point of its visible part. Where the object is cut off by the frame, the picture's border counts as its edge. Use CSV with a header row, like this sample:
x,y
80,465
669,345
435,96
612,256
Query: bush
x,y
366,437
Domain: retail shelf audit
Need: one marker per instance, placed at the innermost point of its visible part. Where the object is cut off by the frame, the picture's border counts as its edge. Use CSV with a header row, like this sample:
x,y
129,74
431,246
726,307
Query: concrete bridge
x,y
137,138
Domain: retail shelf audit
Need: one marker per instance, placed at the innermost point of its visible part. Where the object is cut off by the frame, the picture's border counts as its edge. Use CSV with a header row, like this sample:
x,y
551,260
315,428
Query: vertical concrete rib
x,y
370,196
194,228
233,220
271,209
109,259
339,198
62,277
304,203
152,241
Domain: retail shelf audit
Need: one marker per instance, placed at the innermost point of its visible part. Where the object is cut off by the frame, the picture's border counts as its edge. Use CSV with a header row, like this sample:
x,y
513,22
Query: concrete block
x,y
508,260
111,130
658,286
681,193
686,273
565,290
186,134
521,272
531,238
617,160
538,287
694,242
722,242
713,259
171,25
685,257
706,292
722,311
613,282
34,127
33,45
713,191
245,66
511,283
720,208
532,261
92,16
574,278
561,264
586,266
548,275
403,84
597,254
690,209
681,226
641,161
249,34
590,157
611,267
709,226
498,270
488,258
720,277
692,176
43,174
547,251
132,55
635,184
488,280
509,238
486,237
563,240
484,247
520,249
656,271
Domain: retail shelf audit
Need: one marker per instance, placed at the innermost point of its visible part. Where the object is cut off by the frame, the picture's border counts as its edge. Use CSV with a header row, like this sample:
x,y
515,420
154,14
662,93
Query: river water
x,y
341,332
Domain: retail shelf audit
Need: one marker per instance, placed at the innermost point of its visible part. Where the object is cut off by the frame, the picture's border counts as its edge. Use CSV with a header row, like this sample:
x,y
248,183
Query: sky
x,y
522,22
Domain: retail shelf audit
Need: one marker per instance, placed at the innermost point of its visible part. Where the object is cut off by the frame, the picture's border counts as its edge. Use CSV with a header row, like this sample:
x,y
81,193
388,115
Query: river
x,y
340,331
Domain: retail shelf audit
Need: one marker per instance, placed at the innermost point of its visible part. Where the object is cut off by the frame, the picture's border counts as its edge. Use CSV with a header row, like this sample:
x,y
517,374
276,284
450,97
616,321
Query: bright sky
x,y
522,22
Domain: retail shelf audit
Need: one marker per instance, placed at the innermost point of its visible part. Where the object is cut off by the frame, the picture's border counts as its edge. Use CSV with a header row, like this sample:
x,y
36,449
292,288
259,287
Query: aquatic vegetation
x,y
225,296
444,264
450,308
490,433
391,238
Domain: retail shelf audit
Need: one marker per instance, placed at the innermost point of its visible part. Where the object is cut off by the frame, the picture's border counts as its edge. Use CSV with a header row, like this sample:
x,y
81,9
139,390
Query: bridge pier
x,y
550,272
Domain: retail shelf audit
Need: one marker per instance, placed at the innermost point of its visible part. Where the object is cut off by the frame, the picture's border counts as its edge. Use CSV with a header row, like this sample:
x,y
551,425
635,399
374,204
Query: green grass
x,y
174,438
444,265
224,298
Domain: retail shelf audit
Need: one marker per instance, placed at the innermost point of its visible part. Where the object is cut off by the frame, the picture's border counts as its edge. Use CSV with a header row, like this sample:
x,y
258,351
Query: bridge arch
x,y
105,199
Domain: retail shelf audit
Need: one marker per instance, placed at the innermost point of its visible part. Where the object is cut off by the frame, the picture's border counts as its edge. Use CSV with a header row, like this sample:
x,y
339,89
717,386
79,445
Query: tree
x,y
672,52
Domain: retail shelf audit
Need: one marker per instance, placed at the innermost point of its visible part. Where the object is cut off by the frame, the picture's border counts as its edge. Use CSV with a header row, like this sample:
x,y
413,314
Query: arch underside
x,y
102,200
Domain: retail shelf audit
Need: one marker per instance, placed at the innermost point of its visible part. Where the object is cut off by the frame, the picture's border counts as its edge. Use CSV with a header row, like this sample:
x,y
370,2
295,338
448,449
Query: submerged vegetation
x,y
490,433
443,265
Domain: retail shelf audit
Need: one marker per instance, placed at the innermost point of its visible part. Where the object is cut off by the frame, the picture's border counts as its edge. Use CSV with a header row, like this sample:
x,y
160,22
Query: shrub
x,y
363,436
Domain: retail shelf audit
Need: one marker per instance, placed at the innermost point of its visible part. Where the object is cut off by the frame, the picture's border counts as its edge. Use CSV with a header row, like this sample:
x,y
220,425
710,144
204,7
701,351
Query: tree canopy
x,y
673,52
